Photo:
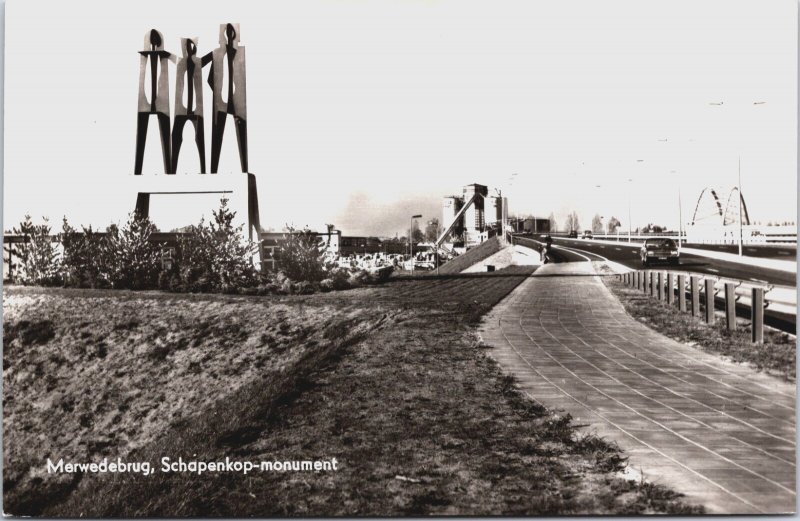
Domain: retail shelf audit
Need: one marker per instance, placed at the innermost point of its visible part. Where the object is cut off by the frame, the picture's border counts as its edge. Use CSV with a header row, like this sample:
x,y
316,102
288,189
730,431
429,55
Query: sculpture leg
x,y
163,125
177,140
241,138
141,138
143,205
217,130
199,138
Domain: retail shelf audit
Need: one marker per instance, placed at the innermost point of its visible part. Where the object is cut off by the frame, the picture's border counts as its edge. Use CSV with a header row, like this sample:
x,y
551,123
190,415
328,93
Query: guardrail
x,y
686,291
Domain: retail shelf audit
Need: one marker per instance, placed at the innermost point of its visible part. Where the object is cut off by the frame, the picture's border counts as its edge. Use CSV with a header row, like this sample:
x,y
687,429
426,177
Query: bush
x,y
215,256
133,260
301,257
84,262
39,262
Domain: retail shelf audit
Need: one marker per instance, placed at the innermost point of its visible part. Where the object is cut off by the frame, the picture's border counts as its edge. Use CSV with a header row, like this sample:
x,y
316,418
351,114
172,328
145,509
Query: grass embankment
x,y
420,420
777,355
471,257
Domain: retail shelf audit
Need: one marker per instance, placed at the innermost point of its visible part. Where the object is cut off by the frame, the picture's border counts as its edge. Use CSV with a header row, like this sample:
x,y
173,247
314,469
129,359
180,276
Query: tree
x,y
300,256
39,262
597,224
613,225
572,222
416,234
84,261
133,259
553,222
432,230
215,256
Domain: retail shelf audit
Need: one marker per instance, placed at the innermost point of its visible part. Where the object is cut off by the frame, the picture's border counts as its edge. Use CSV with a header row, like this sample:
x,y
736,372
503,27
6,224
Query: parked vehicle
x,y
659,250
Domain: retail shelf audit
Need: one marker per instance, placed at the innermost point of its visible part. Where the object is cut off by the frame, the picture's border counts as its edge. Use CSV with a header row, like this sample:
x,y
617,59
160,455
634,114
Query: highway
x,y
578,250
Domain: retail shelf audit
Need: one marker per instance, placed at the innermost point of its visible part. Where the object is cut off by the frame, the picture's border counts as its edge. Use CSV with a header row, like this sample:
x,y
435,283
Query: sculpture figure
x,y
228,65
158,58
188,102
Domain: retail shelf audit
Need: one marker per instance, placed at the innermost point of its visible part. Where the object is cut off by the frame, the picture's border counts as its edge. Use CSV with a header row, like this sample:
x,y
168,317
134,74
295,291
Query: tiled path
x,y
719,432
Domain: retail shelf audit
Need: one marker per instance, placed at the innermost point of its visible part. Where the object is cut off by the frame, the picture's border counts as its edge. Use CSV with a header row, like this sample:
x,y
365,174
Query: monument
x,y
227,66
157,58
188,102
229,53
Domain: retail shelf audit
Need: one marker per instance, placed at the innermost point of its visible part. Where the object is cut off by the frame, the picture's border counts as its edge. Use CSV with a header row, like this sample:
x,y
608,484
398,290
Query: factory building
x,y
485,212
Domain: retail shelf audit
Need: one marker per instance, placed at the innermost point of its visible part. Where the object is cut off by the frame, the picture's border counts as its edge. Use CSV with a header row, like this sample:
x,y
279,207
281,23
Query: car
x,y
659,250
573,234
587,234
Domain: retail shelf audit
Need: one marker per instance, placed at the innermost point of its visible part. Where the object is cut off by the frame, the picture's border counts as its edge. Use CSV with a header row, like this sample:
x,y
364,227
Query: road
x,y
786,252
576,250
579,250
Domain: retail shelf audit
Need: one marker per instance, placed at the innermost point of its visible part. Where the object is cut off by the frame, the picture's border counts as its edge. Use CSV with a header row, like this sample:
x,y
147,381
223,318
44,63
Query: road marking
x,y
712,269
759,280
618,249
573,251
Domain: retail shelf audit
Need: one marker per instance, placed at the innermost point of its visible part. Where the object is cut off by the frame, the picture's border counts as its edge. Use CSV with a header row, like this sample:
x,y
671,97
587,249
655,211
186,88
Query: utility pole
x,y
740,207
680,218
411,240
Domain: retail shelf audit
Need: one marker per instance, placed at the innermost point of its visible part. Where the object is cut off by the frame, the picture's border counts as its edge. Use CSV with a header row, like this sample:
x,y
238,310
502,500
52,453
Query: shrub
x,y
215,256
39,262
133,260
84,262
300,256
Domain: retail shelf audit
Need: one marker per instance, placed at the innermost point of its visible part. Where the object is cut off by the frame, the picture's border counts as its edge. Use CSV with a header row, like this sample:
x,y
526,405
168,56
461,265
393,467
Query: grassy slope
x,y
472,256
419,418
777,354
89,374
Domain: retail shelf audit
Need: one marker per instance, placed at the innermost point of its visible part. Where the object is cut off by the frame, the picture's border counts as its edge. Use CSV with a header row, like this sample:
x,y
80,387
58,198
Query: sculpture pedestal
x,y
239,187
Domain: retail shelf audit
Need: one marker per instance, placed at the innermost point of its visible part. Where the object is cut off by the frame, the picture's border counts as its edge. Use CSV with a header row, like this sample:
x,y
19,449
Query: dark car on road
x,y
659,250
573,234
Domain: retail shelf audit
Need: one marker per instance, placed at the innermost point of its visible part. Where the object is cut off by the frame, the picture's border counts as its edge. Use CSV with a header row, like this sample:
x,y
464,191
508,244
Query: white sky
x,y
361,112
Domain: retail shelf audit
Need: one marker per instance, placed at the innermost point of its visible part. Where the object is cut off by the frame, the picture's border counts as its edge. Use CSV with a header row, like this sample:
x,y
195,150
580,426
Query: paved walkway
x,y
719,432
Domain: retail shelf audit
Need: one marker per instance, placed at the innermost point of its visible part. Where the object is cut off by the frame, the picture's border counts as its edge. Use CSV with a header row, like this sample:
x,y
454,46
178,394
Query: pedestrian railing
x,y
688,290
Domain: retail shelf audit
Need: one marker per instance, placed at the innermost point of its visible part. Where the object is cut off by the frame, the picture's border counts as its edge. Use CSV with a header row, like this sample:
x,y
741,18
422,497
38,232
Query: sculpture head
x,y
229,34
153,41
189,47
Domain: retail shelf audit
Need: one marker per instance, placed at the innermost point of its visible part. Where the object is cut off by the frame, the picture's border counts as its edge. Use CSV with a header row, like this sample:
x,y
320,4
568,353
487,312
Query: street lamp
x,y
411,240
739,184
630,180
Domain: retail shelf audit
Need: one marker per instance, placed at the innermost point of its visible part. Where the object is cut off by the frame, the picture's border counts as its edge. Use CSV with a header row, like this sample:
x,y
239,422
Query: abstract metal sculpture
x,y
226,78
228,66
188,102
158,58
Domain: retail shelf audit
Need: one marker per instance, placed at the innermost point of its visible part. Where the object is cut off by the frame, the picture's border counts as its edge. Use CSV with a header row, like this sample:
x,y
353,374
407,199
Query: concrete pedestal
x,y
240,189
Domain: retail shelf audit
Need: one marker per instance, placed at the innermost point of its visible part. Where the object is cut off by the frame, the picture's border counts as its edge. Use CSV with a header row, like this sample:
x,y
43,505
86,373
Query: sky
x,y
364,112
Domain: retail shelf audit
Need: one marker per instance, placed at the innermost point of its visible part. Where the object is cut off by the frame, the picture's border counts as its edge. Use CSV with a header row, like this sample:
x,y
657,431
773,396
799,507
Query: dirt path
x,y
719,432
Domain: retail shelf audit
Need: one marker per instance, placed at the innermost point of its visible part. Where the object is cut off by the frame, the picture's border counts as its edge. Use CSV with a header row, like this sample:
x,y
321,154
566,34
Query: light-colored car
x,y
659,250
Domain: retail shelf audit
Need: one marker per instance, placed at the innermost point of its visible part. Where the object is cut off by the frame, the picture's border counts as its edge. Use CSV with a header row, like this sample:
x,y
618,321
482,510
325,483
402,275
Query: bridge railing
x,y
702,295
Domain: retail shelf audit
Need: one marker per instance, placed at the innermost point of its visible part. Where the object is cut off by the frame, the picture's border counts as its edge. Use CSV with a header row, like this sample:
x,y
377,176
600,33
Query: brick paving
x,y
719,432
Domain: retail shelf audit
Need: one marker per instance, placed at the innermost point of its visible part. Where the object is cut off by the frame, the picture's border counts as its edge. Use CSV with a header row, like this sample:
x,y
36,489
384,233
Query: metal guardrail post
x,y
652,283
709,289
757,316
682,293
730,306
670,289
646,281
694,293
638,280
660,280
